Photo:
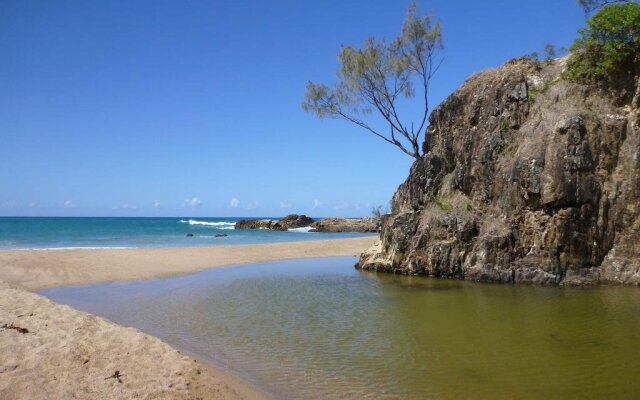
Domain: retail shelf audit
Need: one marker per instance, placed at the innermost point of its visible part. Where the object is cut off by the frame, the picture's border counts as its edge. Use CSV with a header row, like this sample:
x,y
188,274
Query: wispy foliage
x,y
372,79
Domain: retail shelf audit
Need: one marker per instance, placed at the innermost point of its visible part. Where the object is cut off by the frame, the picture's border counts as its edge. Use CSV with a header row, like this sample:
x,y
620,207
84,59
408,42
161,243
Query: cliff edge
x,y
526,178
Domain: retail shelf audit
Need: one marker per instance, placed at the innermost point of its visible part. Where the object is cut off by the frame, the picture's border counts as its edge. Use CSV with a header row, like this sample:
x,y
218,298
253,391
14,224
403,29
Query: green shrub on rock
x,y
609,46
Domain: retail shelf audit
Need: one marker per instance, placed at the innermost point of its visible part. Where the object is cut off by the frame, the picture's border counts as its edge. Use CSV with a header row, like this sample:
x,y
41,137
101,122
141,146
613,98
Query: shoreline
x,y
41,269
53,351
64,352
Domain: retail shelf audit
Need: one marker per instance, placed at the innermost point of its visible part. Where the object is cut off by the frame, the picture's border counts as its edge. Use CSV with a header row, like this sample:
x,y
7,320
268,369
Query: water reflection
x,y
319,329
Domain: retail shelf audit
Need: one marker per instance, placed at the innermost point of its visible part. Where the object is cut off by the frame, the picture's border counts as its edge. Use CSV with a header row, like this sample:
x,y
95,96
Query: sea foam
x,y
304,229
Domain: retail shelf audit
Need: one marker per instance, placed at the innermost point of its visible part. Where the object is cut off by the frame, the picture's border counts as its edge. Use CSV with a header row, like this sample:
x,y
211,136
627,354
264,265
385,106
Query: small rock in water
x,y
222,235
189,234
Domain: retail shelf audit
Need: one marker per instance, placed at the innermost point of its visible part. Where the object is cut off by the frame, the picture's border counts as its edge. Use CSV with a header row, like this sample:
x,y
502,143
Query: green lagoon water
x,y
319,329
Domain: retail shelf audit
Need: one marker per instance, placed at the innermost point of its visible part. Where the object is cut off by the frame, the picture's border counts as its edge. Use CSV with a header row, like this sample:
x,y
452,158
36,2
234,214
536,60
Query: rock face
x,y
528,178
346,225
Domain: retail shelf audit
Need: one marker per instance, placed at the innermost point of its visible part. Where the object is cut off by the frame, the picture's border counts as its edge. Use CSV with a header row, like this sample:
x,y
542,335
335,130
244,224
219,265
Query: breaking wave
x,y
218,225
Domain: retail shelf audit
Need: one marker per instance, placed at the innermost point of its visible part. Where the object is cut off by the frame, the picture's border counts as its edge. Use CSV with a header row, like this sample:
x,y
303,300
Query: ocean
x,y
123,232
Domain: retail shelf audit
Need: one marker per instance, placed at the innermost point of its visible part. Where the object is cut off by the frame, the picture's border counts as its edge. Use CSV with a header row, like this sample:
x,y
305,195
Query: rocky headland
x,y
526,177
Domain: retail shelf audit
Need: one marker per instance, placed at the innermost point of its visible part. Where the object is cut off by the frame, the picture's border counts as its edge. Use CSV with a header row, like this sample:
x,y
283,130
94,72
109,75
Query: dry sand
x,y
39,269
68,354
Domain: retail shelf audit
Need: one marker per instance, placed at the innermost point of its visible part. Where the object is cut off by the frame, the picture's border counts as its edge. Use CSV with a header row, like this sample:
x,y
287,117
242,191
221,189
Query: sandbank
x,y
39,269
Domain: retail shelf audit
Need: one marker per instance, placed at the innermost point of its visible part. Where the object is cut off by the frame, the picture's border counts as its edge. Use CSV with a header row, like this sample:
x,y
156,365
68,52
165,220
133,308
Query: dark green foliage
x,y
609,46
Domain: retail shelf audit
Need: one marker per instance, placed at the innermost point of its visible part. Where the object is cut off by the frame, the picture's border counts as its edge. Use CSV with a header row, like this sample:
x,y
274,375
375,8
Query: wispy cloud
x,y
285,205
341,206
193,202
316,204
155,205
253,205
234,202
128,206
69,204
9,204
33,204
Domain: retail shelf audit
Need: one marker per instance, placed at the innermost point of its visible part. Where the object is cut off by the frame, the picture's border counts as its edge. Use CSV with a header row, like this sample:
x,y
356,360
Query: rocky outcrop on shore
x,y
294,221
526,178
255,224
291,221
346,225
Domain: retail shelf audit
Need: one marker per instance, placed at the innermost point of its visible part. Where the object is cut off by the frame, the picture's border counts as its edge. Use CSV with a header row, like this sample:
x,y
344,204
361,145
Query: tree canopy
x,y
609,45
590,6
374,77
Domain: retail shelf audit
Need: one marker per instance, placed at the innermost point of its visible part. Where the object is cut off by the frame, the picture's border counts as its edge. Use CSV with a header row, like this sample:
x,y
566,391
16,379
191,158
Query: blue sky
x,y
173,108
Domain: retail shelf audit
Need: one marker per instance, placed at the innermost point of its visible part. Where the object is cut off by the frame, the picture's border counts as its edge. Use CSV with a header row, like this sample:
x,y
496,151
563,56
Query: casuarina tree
x,y
375,78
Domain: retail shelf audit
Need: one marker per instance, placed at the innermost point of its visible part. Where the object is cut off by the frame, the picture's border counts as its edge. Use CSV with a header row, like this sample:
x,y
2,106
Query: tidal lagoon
x,y
317,329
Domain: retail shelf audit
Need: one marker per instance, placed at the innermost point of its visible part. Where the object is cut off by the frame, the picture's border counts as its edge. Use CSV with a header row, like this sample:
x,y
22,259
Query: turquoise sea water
x,y
319,329
57,232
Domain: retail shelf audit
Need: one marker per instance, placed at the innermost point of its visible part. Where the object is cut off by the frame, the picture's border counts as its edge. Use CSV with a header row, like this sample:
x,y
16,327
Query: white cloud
x,y
285,205
33,204
9,204
69,204
316,204
341,206
127,206
155,204
193,202
252,206
234,202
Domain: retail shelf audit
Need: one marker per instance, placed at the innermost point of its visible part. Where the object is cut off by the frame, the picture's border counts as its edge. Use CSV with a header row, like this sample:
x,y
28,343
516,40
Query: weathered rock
x,y
527,178
189,234
292,221
221,235
254,224
346,225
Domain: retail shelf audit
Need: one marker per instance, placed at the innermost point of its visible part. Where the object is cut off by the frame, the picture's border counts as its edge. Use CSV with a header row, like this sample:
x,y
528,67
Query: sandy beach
x,y
39,269
52,351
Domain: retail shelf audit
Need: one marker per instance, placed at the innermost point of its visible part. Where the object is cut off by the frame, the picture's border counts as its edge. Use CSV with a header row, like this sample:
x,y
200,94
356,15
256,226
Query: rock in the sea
x,y
527,178
346,225
292,221
189,234
220,235
288,222
255,224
